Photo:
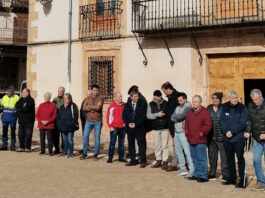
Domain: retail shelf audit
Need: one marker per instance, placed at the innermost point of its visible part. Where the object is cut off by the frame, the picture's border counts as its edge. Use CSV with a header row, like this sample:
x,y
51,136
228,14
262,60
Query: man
x,y
181,143
197,126
134,117
156,114
83,117
9,118
116,127
256,127
216,140
172,96
93,106
233,121
58,101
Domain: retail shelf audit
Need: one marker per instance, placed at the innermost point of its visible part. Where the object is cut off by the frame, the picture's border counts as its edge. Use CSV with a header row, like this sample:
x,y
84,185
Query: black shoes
x,y
123,160
143,165
240,185
132,163
42,153
229,182
212,178
192,178
109,161
202,180
83,157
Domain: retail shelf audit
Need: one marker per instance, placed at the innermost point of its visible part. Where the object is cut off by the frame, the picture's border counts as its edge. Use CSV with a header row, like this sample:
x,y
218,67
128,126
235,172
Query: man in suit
x,y
134,117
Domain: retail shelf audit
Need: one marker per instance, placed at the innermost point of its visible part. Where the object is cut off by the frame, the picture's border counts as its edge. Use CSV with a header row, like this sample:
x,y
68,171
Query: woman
x,y
25,108
67,121
46,116
233,121
216,140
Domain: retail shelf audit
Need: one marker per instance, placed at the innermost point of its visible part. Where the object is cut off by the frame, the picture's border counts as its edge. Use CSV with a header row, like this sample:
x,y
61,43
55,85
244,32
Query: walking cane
x,y
245,175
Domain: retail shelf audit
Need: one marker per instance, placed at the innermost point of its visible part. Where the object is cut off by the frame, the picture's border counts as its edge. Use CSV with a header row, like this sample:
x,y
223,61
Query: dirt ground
x,y
28,175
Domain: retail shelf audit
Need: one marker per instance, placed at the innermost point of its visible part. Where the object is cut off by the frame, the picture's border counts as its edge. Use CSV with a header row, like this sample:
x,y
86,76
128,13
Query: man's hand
x,y
246,135
132,125
44,122
161,114
229,134
111,129
262,136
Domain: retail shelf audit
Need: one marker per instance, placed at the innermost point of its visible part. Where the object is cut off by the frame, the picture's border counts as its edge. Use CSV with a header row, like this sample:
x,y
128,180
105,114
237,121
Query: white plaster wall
x,y
53,24
51,68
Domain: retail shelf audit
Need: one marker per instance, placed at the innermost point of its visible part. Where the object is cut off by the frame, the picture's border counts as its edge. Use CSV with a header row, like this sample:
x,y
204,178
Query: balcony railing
x,y
173,15
100,20
20,3
14,35
5,3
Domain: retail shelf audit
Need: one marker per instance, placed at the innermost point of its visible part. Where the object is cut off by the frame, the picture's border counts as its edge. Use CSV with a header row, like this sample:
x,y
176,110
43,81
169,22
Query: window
x,y
112,6
101,73
100,7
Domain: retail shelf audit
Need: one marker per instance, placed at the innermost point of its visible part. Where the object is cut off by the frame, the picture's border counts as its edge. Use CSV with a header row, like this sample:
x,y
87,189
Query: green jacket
x,y
58,101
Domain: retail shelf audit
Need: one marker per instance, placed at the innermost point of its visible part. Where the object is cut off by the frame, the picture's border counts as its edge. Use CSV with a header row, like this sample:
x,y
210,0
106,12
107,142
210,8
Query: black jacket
x,y
25,108
159,122
65,120
256,120
139,117
216,131
171,106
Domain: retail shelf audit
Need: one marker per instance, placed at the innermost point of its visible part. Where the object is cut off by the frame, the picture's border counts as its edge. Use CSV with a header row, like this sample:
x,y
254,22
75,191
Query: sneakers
x,y
258,188
83,157
3,149
189,175
27,150
212,178
182,172
20,150
13,149
109,161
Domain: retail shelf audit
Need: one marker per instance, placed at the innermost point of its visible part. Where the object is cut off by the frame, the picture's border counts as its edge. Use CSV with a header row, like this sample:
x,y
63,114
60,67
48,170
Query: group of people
x,y
223,128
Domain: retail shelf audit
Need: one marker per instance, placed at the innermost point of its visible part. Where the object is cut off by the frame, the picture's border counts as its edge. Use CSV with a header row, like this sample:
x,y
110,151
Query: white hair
x,y
48,94
255,92
231,94
198,96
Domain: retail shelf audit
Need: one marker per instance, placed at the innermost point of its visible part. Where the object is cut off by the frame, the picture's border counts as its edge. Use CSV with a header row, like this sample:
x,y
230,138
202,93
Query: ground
x,y
28,175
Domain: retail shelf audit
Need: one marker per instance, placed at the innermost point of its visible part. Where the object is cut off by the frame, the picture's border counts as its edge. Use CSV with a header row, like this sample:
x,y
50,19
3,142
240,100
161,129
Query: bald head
x,y
117,97
61,91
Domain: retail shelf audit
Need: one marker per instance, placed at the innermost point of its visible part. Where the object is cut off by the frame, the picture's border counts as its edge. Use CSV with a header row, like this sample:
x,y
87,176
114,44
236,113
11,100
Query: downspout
x,y
68,85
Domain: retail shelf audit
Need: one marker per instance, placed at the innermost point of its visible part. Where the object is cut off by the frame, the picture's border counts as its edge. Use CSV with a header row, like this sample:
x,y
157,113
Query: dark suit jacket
x,y
139,118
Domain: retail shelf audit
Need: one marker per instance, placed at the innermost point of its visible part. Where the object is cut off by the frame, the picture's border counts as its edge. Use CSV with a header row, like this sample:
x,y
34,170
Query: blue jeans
x,y
258,151
181,144
88,128
113,137
68,143
5,133
199,159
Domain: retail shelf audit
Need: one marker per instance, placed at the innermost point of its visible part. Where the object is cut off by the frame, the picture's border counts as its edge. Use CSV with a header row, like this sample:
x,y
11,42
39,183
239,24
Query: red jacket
x,y
46,111
114,115
197,126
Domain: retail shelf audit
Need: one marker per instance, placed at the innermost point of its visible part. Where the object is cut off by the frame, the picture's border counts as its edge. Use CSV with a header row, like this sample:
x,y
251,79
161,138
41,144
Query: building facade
x,y
13,43
199,46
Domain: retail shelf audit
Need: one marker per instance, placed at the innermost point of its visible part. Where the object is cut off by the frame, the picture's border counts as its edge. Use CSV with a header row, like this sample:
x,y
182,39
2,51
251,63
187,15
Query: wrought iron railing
x,y
14,35
173,15
5,3
100,20
101,73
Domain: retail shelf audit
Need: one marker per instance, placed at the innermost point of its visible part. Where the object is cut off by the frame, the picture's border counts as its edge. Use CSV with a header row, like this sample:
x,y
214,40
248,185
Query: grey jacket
x,y
179,117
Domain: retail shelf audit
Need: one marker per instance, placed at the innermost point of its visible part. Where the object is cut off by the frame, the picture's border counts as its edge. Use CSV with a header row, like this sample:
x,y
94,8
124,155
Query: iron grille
x,y
14,35
100,20
172,15
101,73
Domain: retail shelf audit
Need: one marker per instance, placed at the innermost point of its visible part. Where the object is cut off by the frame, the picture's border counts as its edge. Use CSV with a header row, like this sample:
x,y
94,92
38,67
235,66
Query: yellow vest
x,y
9,102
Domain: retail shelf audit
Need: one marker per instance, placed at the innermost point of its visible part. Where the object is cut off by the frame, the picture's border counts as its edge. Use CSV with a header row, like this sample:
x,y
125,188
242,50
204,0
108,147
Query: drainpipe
x,y
68,85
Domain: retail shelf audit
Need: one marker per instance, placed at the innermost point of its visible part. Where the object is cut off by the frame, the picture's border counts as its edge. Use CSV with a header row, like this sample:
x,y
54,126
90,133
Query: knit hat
x,y
219,95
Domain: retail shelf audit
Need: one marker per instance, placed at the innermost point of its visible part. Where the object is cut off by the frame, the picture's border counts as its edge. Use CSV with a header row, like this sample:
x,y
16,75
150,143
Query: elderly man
x,y
197,126
256,127
233,120
58,101
9,118
116,127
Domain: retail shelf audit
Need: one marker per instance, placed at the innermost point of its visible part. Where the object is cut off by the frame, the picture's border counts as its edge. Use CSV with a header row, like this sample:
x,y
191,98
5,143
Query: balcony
x,y
150,16
100,20
13,35
15,5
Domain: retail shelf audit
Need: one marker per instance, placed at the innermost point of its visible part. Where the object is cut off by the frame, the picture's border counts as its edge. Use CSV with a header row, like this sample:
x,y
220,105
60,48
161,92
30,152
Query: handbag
x,y
76,125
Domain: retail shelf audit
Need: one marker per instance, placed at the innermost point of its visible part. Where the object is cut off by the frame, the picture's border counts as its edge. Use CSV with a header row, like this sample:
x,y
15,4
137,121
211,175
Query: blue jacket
x,y
234,119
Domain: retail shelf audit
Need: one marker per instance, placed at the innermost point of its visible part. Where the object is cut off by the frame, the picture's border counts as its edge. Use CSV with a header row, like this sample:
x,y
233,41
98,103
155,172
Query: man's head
x,y
157,96
233,98
95,90
25,93
10,91
167,88
61,91
182,99
134,96
196,101
256,97
133,88
117,97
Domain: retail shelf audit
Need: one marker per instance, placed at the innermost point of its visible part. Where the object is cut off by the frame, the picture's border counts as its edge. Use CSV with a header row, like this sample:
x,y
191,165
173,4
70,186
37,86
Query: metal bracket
x,y
145,62
168,49
197,47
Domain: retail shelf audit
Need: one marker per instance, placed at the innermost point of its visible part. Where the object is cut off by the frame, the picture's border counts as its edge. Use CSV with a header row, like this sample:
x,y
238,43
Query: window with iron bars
x,y
101,73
